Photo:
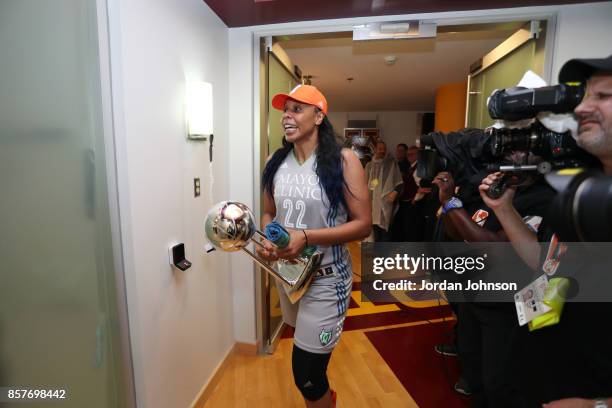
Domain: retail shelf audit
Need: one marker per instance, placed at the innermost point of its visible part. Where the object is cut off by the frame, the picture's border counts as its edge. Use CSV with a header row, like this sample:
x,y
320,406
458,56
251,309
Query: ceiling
x,y
240,13
421,66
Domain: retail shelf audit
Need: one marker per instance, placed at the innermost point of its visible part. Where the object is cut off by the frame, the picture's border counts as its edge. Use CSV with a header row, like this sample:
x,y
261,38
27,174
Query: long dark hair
x,y
329,166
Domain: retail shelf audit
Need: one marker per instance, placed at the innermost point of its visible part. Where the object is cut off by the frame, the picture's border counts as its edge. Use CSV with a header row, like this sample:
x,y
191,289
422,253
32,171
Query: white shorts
x,y
318,317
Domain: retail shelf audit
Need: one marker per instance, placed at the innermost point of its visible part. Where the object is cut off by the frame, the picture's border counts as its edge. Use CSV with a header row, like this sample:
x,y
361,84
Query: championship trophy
x,y
230,227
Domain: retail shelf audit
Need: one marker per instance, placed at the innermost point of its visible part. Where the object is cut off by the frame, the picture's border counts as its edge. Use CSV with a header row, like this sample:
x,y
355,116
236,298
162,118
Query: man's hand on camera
x,y
446,186
503,202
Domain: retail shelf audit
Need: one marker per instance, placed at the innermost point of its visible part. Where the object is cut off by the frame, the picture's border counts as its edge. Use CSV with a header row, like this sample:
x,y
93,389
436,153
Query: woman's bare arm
x,y
359,214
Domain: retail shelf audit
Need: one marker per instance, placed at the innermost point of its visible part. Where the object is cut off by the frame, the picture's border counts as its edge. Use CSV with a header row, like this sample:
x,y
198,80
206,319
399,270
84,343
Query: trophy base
x,y
296,277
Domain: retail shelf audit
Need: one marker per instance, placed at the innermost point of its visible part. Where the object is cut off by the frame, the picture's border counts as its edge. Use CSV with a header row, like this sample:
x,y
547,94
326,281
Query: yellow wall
x,y
282,55
450,107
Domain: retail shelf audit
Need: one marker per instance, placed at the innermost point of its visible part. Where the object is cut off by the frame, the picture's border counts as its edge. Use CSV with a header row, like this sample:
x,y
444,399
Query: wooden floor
x,y
356,372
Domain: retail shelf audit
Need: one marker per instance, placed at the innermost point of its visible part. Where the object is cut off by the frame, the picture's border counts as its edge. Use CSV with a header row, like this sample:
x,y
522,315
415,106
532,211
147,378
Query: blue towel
x,y
276,234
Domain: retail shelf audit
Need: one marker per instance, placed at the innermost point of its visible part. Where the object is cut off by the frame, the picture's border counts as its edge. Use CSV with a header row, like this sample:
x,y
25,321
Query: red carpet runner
x,y
427,376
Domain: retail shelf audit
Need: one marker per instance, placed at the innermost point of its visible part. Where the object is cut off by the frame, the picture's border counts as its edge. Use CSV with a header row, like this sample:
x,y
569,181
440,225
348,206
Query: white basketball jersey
x,y
301,203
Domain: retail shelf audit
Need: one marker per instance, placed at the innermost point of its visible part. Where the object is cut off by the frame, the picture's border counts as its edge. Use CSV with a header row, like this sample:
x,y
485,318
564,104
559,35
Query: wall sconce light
x,y
199,109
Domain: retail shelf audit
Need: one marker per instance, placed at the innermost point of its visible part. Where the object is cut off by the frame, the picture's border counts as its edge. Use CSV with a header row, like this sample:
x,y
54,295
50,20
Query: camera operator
x,y
568,364
487,331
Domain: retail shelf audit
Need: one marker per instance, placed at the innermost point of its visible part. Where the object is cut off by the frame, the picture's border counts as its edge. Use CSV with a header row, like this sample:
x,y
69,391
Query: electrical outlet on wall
x,y
196,187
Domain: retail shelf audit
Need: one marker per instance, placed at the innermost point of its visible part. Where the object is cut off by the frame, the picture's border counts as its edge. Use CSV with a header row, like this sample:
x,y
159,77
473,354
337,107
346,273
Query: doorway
x,y
391,85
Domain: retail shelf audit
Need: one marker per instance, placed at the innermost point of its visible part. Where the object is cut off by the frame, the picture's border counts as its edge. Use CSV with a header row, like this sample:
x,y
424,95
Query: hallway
x,y
385,358
123,123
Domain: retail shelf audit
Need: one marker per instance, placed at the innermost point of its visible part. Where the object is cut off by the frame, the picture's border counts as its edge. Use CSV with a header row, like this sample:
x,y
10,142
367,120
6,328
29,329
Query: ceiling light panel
x,y
394,30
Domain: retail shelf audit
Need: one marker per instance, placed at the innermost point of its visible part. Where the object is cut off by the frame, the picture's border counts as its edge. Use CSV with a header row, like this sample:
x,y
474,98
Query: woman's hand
x,y
268,252
297,243
503,202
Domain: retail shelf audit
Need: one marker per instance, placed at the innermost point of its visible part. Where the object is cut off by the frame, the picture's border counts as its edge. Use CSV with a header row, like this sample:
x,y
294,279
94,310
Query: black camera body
x,y
430,163
517,103
463,153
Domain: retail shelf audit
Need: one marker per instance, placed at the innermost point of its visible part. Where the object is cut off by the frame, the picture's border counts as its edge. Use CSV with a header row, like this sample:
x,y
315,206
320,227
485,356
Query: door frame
x,y
507,47
548,13
270,336
110,124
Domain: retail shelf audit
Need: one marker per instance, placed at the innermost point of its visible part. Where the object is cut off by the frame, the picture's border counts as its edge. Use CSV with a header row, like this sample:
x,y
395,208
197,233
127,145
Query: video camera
x,y
472,151
462,153
556,150
582,211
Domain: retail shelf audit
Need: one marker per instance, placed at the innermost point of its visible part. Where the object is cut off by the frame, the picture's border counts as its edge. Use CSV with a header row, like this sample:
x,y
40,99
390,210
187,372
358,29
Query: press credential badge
x,y
528,301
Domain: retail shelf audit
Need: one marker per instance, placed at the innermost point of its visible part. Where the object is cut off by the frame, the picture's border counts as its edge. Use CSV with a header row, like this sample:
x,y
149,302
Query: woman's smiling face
x,y
300,120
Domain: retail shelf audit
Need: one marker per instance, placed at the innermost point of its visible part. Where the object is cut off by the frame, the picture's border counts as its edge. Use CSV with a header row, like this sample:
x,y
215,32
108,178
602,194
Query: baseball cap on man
x,y
301,93
579,70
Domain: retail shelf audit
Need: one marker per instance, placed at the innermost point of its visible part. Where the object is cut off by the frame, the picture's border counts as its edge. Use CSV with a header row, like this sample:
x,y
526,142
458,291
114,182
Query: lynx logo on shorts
x,y
325,336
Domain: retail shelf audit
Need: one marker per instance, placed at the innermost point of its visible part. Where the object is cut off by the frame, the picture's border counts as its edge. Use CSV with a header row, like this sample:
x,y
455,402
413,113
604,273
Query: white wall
x,y
395,126
241,175
180,322
582,30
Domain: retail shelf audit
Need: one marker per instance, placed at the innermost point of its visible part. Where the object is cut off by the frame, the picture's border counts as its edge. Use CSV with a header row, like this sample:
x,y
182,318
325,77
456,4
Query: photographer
x,y
487,330
568,364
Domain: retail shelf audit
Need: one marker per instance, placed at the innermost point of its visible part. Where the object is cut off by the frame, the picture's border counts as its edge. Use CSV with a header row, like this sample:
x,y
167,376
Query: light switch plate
x,y
196,187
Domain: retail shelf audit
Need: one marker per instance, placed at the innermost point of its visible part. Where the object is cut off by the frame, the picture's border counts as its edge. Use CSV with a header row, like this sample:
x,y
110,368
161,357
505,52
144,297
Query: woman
x,y
317,191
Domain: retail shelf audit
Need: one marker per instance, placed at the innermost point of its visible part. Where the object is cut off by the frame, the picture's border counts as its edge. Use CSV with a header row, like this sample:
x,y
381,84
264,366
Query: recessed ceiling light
x,y
390,59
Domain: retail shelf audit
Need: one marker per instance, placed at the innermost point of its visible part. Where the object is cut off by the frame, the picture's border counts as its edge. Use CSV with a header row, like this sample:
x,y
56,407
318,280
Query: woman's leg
x,y
310,376
319,324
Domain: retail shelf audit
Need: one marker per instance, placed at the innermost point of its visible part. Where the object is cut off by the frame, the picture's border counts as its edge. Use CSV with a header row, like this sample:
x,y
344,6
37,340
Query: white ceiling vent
x,y
394,30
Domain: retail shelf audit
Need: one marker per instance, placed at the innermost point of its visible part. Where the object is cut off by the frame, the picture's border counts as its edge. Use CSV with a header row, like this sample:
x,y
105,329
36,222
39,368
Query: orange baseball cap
x,y
301,93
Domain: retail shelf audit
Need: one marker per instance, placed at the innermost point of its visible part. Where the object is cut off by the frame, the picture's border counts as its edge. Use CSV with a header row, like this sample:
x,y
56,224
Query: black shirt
x,y
572,358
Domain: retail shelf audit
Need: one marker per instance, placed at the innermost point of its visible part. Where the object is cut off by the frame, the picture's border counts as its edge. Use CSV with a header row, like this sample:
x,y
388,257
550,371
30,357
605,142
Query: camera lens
x,y
583,212
505,140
